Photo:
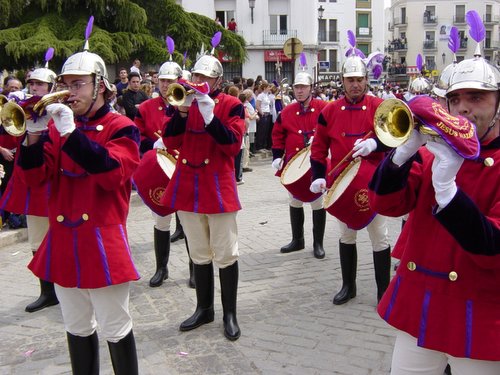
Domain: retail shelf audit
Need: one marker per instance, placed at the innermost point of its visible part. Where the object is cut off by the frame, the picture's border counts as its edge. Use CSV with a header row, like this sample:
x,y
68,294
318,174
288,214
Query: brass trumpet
x,y
176,94
393,123
13,116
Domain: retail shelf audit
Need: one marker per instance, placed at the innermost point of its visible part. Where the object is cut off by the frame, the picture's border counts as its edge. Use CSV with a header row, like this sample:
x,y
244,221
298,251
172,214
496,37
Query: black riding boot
x,y
47,297
382,265
229,287
124,355
297,222
319,222
179,232
84,354
162,251
204,313
191,282
348,263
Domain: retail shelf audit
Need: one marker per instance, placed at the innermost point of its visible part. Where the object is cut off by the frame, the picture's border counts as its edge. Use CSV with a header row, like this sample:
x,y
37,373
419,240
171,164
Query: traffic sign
x,y
324,65
292,48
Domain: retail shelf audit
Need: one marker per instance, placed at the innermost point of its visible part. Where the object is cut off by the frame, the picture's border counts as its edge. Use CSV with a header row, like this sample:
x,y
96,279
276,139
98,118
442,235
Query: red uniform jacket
x,y
446,292
293,129
150,119
204,180
89,171
340,125
22,199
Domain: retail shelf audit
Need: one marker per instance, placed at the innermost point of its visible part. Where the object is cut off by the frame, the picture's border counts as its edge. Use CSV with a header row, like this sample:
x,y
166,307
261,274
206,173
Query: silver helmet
x,y
354,66
43,75
420,86
86,63
303,78
476,73
209,66
170,70
444,81
186,75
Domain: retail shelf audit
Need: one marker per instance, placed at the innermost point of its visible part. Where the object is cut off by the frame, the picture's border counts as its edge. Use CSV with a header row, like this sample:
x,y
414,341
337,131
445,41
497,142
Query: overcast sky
x,y
387,3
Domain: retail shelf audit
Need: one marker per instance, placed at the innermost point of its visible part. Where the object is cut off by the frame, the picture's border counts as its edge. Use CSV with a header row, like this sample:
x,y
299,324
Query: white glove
x,y
444,170
364,147
188,101
63,118
159,144
404,152
318,185
277,163
38,126
206,106
17,95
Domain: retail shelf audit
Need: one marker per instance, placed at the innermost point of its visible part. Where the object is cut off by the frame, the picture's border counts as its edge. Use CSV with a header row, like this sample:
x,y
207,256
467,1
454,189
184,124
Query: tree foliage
x,y
123,30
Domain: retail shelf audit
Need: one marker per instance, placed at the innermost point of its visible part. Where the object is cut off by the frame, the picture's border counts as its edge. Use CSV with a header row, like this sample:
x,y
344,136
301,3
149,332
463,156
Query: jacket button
x,y
60,218
85,217
411,266
453,276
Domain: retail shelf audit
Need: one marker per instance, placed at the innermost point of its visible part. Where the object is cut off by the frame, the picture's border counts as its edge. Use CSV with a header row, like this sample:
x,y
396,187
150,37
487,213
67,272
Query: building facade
x,y
416,26
317,28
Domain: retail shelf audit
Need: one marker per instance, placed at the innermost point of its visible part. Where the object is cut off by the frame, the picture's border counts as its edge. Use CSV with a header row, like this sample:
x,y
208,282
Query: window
x,y
333,34
460,13
487,39
430,62
272,74
322,30
224,16
333,53
363,25
403,15
364,47
278,23
487,16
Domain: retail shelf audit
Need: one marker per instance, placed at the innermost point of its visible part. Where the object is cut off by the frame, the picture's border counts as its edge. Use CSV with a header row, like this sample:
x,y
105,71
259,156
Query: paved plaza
x,y
288,322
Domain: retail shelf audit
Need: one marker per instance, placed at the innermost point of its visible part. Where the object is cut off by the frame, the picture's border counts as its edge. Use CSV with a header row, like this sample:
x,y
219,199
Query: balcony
x,y
430,19
490,45
331,36
463,44
397,45
430,45
458,20
277,37
491,19
364,32
400,21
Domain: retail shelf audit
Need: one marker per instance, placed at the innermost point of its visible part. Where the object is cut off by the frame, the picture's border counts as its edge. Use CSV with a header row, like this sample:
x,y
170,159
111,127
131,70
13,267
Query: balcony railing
x,y
430,44
430,20
277,37
364,32
330,36
458,19
489,44
400,21
490,18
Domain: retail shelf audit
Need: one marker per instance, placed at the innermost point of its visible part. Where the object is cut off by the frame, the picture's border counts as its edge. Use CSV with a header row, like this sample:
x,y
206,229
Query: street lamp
x,y
251,3
443,57
320,12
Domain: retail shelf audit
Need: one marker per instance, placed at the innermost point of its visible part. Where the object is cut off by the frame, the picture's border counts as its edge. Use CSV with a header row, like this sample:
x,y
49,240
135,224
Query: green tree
x,y
123,29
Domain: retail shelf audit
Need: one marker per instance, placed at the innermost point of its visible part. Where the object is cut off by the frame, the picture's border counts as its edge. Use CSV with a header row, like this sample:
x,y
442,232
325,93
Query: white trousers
x,y
37,229
212,237
83,309
162,222
315,205
410,359
377,230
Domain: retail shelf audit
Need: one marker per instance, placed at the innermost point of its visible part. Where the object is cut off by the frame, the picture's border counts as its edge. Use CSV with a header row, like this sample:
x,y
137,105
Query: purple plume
x,y
302,59
351,38
216,39
88,30
49,54
185,57
420,62
374,58
170,45
355,52
377,71
476,31
454,40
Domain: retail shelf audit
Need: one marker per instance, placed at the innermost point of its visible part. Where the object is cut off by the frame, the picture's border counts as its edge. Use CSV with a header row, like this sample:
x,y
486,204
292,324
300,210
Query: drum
x,y
347,199
152,177
296,176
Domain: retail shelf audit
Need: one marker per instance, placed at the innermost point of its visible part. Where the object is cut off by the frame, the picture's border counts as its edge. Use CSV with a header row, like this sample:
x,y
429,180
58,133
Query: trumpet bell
x,y
176,94
393,122
13,119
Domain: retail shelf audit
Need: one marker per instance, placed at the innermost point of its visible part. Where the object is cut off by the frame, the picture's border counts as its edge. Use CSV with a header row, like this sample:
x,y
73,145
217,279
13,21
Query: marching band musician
x,y
32,201
203,190
444,299
151,118
340,126
87,156
292,132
